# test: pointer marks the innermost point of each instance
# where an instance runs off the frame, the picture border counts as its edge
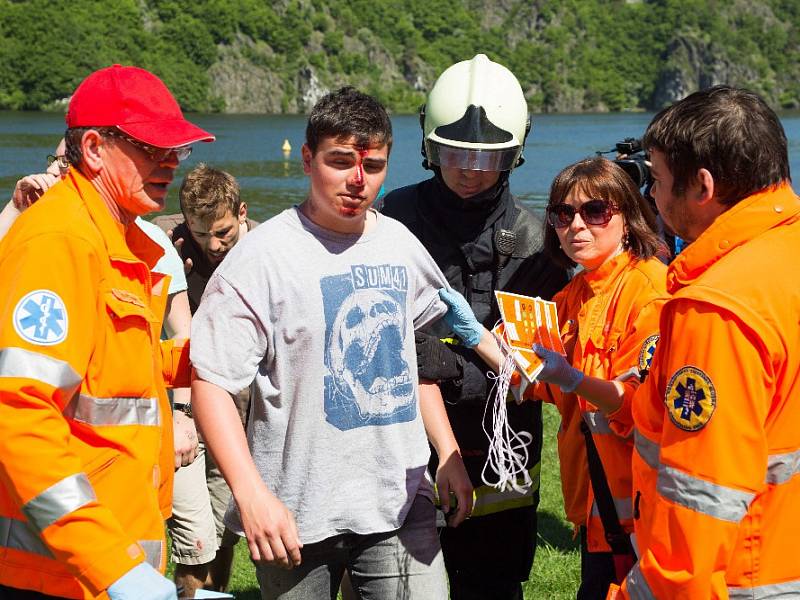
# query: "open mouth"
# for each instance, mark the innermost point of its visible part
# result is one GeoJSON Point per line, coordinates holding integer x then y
{"type": "Point", "coordinates": [382, 370]}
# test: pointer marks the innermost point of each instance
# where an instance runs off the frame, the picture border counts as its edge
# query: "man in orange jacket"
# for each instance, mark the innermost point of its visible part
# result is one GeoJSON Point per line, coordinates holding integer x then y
{"type": "Point", "coordinates": [85, 434]}
{"type": "Point", "coordinates": [717, 445]}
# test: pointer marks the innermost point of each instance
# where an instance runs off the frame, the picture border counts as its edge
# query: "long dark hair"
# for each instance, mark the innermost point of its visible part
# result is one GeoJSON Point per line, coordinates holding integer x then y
{"type": "Point", "coordinates": [600, 178]}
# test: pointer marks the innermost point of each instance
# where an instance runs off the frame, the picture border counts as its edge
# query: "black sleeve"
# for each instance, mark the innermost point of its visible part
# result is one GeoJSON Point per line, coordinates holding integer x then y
{"type": "Point", "coordinates": [473, 386]}
{"type": "Point", "coordinates": [538, 275]}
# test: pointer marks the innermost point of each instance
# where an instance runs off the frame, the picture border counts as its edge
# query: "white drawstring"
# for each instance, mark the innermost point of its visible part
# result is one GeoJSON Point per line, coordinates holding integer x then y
{"type": "Point", "coordinates": [508, 450]}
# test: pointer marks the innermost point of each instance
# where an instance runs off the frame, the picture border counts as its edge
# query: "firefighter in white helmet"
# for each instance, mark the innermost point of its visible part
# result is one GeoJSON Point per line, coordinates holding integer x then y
{"type": "Point", "coordinates": [474, 127]}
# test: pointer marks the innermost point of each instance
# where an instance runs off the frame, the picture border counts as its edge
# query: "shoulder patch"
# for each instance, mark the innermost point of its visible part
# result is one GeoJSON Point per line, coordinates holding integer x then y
{"type": "Point", "coordinates": [690, 398]}
{"type": "Point", "coordinates": [41, 318]}
{"type": "Point", "coordinates": [647, 351]}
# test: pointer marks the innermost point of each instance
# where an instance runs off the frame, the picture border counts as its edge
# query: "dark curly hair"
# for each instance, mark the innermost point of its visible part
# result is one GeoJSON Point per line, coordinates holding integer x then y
{"type": "Point", "coordinates": [348, 113]}
{"type": "Point", "coordinates": [730, 132]}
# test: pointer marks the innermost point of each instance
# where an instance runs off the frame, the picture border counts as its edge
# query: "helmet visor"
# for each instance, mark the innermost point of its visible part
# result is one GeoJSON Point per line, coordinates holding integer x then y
{"type": "Point", "coordinates": [472, 159]}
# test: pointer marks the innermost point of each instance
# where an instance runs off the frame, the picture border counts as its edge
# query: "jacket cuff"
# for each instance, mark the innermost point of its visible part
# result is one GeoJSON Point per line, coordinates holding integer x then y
{"type": "Point", "coordinates": [108, 569]}
{"type": "Point", "coordinates": [176, 368]}
{"type": "Point", "coordinates": [621, 419]}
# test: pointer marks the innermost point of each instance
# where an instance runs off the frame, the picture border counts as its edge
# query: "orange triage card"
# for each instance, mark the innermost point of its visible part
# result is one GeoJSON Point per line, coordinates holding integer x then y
{"type": "Point", "coordinates": [527, 321]}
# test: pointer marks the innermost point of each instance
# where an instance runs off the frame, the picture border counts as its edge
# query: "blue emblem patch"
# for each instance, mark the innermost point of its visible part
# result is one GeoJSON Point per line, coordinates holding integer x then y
{"type": "Point", "coordinates": [41, 318]}
{"type": "Point", "coordinates": [690, 399]}
{"type": "Point", "coordinates": [647, 351]}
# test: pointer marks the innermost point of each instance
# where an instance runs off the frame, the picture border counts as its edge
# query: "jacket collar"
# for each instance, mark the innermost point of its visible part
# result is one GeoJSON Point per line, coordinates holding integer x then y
{"type": "Point", "coordinates": [127, 245]}
{"type": "Point", "coordinates": [738, 225]}
{"type": "Point", "coordinates": [605, 276]}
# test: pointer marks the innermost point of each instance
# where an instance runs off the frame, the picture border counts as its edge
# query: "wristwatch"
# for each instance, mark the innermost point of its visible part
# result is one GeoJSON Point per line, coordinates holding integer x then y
{"type": "Point", "coordinates": [184, 408]}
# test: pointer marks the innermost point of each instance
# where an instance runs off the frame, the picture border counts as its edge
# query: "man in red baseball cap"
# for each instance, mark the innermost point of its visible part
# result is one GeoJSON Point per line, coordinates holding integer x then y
{"type": "Point", "coordinates": [85, 428]}
{"type": "Point", "coordinates": [134, 112]}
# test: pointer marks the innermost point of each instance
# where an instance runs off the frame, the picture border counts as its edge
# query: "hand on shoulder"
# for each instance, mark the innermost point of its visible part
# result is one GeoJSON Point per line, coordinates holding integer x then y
{"type": "Point", "coordinates": [30, 188]}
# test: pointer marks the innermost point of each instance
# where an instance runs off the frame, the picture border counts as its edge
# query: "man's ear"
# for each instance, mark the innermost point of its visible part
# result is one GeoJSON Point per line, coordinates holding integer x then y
{"type": "Point", "coordinates": [307, 156]}
{"type": "Point", "coordinates": [705, 187]}
{"type": "Point", "coordinates": [242, 212]}
{"type": "Point", "coordinates": [91, 142]}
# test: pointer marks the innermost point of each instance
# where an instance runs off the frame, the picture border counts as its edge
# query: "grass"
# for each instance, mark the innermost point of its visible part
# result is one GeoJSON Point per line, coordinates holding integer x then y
{"type": "Point", "coordinates": [556, 570]}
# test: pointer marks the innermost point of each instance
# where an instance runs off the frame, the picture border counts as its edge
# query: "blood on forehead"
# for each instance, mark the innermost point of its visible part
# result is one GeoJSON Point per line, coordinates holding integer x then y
{"type": "Point", "coordinates": [360, 166]}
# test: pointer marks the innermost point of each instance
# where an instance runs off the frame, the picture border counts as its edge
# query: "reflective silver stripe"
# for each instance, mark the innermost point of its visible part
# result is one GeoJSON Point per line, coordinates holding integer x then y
{"type": "Point", "coordinates": [152, 550]}
{"type": "Point", "coordinates": [638, 589]}
{"type": "Point", "coordinates": [597, 422]}
{"type": "Point", "coordinates": [114, 411]}
{"type": "Point", "coordinates": [59, 500]}
{"type": "Point", "coordinates": [718, 501]}
{"type": "Point", "coordinates": [697, 494]}
{"type": "Point", "coordinates": [777, 591]}
{"type": "Point", "coordinates": [18, 362]}
{"type": "Point", "coordinates": [623, 506]}
{"type": "Point", "coordinates": [649, 451]}
{"type": "Point", "coordinates": [18, 535]}
{"type": "Point", "coordinates": [782, 467]}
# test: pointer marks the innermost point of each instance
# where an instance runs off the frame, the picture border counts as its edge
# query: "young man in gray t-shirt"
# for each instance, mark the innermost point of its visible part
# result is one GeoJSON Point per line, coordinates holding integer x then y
{"type": "Point", "coordinates": [318, 307]}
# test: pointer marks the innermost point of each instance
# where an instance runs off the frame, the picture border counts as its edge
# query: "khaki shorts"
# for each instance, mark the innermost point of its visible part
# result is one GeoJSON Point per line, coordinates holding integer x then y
{"type": "Point", "coordinates": [200, 498]}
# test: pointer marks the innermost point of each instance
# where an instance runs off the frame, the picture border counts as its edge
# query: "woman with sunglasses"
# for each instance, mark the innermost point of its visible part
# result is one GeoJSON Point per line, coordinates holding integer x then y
{"type": "Point", "coordinates": [608, 313]}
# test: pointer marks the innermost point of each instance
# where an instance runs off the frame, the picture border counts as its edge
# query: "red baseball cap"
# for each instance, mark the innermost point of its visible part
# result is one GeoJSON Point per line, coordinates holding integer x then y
{"type": "Point", "coordinates": [135, 101]}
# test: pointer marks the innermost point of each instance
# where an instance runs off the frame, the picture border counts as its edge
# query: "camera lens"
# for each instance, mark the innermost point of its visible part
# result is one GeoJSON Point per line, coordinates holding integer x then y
{"type": "Point", "coordinates": [637, 169]}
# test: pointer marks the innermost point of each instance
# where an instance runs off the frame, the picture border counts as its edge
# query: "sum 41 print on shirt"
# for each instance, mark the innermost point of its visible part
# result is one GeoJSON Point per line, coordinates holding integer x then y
{"type": "Point", "coordinates": [367, 379]}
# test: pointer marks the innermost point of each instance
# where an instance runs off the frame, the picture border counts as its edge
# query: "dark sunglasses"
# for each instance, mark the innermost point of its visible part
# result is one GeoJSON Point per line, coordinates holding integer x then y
{"type": "Point", "coordinates": [156, 154]}
{"type": "Point", "coordinates": [592, 212]}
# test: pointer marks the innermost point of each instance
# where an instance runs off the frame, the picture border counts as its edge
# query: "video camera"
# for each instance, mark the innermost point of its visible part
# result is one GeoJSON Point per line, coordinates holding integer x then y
{"type": "Point", "coordinates": [633, 161]}
{"type": "Point", "coordinates": [631, 157]}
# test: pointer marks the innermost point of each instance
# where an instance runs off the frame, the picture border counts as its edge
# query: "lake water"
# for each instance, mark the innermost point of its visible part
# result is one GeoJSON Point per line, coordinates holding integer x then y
{"type": "Point", "coordinates": [249, 147]}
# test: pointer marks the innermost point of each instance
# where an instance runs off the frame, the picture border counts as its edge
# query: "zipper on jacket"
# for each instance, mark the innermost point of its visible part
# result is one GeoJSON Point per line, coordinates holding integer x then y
{"type": "Point", "coordinates": [468, 290]}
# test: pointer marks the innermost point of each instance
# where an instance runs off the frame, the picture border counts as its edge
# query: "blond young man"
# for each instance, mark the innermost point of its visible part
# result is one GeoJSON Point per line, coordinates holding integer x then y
{"type": "Point", "coordinates": [212, 221]}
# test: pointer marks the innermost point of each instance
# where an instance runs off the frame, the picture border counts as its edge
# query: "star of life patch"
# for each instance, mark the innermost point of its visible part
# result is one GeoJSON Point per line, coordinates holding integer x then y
{"type": "Point", "coordinates": [40, 317]}
{"type": "Point", "coordinates": [690, 398]}
{"type": "Point", "coordinates": [647, 351]}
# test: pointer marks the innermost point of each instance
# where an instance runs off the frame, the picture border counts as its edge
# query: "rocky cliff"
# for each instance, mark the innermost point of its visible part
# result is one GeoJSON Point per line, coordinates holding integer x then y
{"type": "Point", "coordinates": [248, 56]}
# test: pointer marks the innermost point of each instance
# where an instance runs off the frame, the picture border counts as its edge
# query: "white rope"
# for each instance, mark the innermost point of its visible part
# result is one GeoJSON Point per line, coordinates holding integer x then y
{"type": "Point", "coordinates": [508, 450]}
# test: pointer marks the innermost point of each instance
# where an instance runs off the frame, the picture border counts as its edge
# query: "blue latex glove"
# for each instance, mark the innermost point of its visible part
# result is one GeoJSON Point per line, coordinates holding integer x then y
{"type": "Point", "coordinates": [557, 370]}
{"type": "Point", "coordinates": [142, 581]}
{"type": "Point", "coordinates": [460, 318]}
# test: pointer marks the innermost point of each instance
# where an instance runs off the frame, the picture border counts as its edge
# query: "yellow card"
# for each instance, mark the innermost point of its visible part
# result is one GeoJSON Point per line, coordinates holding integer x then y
{"type": "Point", "coordinates": [527, 321]}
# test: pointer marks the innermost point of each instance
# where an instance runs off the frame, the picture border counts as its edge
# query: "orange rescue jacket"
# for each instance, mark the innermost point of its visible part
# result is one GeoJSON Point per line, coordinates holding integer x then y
{"type": "Point", "coordinates": [717, 423]}
{"type": "Point", "coordinates": [609, 324]}
{"type": "Point", "coordinates": [85, 425]}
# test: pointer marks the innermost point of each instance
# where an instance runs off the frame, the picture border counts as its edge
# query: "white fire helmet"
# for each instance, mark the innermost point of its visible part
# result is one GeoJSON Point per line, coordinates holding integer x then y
{"type": "Point", "coordinates": [476, 117]}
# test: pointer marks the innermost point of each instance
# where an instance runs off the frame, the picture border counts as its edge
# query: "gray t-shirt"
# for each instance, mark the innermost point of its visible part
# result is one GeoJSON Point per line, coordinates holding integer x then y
{"type": "Point", "coordinates": [323, 325]}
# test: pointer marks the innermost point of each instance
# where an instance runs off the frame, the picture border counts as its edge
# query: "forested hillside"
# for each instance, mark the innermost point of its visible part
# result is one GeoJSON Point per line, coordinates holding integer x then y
{"type": "Point", "coordinates": [280, 56]}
